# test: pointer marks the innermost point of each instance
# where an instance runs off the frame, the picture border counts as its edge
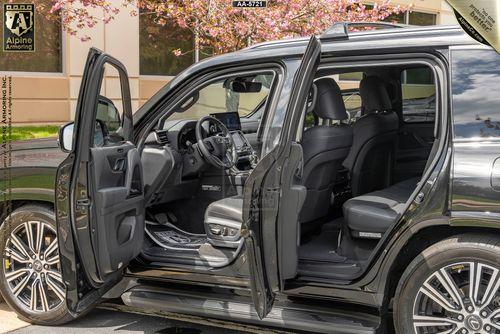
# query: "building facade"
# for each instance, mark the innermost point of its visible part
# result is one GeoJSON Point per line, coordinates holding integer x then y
{"type": "Point", "coordinates": [46, 82]}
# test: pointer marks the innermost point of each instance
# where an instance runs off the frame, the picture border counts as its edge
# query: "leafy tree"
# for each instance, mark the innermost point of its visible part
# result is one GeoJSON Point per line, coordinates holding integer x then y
{"type": "Point", "coordinates": [222, 28]}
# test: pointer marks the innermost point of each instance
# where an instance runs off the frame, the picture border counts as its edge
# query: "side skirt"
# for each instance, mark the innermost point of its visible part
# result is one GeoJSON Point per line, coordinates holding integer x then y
{"type": "Point", "coordinates": [285, 314]}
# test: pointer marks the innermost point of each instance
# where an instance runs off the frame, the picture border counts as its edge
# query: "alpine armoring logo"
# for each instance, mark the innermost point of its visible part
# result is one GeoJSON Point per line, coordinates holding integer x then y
{"type": "Point", "coordinates": [18, 27]}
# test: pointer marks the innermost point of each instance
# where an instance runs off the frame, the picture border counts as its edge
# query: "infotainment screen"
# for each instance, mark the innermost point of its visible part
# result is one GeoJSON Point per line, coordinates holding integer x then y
{"type": "Point", "coordinates": [230, 119]}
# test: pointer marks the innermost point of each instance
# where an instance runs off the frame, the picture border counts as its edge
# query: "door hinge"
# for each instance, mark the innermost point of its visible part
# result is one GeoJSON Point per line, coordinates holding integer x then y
{"type": "Point", "coordinates": [83, 202]}
{"type": "Point", "coordinates": [419, 198]}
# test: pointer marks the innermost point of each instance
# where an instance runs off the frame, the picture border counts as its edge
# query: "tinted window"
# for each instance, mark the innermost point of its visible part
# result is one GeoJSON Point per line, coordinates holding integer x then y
{"type": "Point", "coordinates": [217, 97]}
{"type": "Point", "coordinates": [110, 106]}
{"type": "Point", "coordinates": [419, 95]}
{"type": "Point", "coordinates": [352, 101]}
{"type": "Point", "coordinates": [476, 98]}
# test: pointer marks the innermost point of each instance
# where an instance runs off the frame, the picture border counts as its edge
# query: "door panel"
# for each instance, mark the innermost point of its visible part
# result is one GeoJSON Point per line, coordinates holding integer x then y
{"type": "Point", "coordinates": [99, 192]}
{"type": "Point", "coordinates": [293, 197]}
{"type": "Point", "coordinates": [414, 146]}
{"type": "Point", "coordinates": [119, 208]}
{"type": "Point", "coordinates": [271, 195]}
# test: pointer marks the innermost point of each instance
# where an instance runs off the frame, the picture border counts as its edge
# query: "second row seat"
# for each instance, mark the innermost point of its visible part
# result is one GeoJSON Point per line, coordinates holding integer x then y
{"type": "Point", "coordinates": [370, 215]}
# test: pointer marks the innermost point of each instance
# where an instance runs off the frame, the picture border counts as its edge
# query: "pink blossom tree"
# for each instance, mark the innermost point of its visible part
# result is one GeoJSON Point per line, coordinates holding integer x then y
{"type": "Point", "coordinates": [222, 28]}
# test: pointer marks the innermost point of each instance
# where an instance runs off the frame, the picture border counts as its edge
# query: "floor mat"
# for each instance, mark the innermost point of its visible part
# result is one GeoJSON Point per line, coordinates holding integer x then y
{"type": "Point", "coordinates": [171, 237]}
{"type": "Point", "coordinates": [322, 248]}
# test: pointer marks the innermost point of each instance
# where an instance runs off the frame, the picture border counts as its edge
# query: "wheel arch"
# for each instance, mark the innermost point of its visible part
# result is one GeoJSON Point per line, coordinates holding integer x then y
{"type": "Point", "coordinates": [418, 242]}
{"type": "Point", "coordinates": [17, 203]}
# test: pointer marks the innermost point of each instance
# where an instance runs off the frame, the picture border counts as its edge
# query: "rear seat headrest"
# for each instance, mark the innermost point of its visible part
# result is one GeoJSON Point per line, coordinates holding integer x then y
{"type": "Point", "coordinates": [329, 101]}
{"type": "Point", "coordinates": [374, 95]}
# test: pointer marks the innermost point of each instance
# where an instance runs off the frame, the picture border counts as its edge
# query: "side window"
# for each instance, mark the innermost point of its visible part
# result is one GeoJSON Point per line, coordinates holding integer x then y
{"type": "Point", "coordinates": [349, 83]}
{"type": "Point", "coordinates": [419, 95]}
{"type": "Point", "coordinates": [109, 116]}
{"type": "Point", "coordinates": [242, 94]}
{"type": "Point", "coordinates": [476, 101]}
{"type": "Point", "coordinates": [352, 101]}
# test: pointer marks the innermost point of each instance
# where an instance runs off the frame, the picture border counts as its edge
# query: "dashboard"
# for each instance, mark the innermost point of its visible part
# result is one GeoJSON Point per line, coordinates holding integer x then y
{"type": "Point", "coordinates": [172, 163]}
{"type": "Point", "coordinates": [186, 137]}
{"type": "Point", "coordinates": [180, 135]}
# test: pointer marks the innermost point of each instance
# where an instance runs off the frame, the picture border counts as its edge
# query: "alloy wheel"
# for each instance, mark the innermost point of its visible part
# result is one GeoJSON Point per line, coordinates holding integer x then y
{"type": "Point", "coordinates": [462, 298]}
{"type": "Point", "coordinates": [31, 266]}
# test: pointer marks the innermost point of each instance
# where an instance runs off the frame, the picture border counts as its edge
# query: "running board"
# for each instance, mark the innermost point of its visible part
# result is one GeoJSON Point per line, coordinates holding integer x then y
{"type": "Point", "coordinates": [235, 308]}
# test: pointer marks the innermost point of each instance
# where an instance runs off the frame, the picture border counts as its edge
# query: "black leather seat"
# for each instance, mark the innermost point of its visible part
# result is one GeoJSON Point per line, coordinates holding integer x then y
{"type": "Point", "coordinates": [324, 148]}
{"type": "Point", "coordinates": [370, 215]}
{"type": "Point", "coordinates": [371, 159]}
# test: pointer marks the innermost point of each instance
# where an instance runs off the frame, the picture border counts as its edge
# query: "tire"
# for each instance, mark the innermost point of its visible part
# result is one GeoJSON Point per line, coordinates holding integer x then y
{"type": "Point", "coordinates": [434, 294]}
{"type": "Point", "coordinates": [39, 277]}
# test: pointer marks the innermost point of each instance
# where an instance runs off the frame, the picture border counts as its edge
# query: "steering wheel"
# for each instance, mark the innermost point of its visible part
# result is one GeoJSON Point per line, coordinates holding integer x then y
{"type": "Point", "coordinates": [219, 150]}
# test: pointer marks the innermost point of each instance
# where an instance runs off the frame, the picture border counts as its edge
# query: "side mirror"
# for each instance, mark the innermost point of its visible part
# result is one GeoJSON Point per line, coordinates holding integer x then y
{"type": "Point", "coordinates": [66, 137]}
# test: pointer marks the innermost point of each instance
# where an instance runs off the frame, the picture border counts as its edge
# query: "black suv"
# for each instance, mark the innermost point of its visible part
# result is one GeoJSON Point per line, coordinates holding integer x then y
{"type": "Point", "coordinates": [324, 185]}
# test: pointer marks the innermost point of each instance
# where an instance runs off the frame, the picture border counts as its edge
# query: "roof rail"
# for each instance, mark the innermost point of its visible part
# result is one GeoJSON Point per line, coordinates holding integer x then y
{"type": "Point", "coordinates": [340, 30]}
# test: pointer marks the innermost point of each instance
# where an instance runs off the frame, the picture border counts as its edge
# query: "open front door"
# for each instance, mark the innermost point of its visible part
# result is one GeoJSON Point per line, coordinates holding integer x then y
{"type": "Point", "coordinates": [273, 193]}
{"type": "Point", "coordinates": [99, 192]}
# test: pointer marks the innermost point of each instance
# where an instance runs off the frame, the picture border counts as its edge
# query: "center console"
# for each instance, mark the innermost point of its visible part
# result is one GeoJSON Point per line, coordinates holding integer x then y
{"type": "Point", "coordinates": [243, 147]}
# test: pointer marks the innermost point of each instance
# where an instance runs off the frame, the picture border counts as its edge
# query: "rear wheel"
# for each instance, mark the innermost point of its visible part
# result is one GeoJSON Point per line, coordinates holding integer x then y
{"type": "Point", "coordinates": [30, 271]}
{"type": "Point", "coordinates": [451, 287]}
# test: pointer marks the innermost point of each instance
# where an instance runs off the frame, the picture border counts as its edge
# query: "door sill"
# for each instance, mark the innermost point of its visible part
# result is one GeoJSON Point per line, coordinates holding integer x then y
{"type": "Point", "coordinates": [205, 256]}
{"type": "Point", "coordinates": [285, 314]}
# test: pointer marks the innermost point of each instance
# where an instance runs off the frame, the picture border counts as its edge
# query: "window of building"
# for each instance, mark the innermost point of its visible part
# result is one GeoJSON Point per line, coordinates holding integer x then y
{"type": "Point", "coordinates": [476, 102]}
{"type": "Point", "coordinates": [157, 43]}
{"type": "Point", "coordinates": [419, 95]}
{"type": "Point", "coordinates": [47, 56]}
{"type": "Point", "coordinates": [413, 18]}
{"type": "Point", "coordinates": [422, 19]}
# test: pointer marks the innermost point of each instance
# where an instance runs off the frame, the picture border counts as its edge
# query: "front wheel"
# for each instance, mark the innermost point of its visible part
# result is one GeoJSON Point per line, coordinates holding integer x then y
{"type": "Point", "coordinates": [451, 287]}
{"type": "Point", "coordinates": [30, 271]}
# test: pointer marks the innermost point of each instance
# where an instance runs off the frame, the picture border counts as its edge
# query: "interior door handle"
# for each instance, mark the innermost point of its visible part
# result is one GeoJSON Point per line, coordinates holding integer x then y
{"type": "Point", "coordinates": [119, 165]}
{"type": "Point", "coordinates": [299, 171]}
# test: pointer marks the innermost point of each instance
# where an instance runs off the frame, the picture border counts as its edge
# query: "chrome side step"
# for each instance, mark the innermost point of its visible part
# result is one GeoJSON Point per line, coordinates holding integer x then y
{"type": "Point", "coordinates": [233, 308]}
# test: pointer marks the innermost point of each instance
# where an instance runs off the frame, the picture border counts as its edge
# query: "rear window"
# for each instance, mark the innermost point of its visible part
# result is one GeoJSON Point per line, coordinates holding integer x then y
{"type": "Point", "coordinates": [476, 95]}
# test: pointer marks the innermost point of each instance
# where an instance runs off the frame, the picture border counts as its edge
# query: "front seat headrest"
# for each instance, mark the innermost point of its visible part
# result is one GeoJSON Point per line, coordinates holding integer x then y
{"type": "Point", "coordinates": [329, 101]}
{"type": "Point", "coordinates": [374, 95]}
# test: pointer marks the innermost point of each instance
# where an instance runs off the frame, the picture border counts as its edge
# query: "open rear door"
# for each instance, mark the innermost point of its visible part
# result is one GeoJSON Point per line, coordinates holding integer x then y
{"type": "Point", "coordinates": [99, 192]}
{"type": "Point", "coordinates": [273, 193]}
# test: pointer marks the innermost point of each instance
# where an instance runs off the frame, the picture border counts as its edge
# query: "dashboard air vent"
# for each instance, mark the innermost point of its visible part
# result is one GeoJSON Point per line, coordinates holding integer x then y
{"type": "Point", "coordinates": [161, 137]}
